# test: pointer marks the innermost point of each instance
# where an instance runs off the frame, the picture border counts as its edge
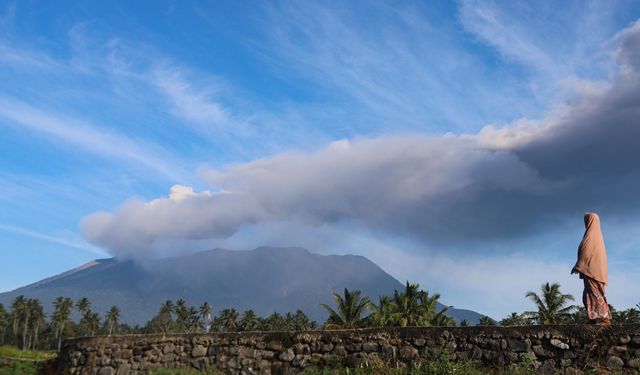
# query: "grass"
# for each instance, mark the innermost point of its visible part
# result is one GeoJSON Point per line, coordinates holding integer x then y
{"type": "Point", "coordinates": [30, 355]}
{"type": "Point", "coordinates": [166, 371]}
{"type": "Point", "coordinates": [19, 368]}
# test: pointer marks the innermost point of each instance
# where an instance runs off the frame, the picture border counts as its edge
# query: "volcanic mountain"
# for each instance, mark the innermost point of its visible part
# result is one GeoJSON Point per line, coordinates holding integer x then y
{"type": "Point", "coordinates": [266, 280]}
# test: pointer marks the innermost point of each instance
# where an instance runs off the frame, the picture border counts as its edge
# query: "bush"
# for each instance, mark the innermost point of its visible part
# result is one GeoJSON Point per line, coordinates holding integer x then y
{"type": "Point", "coordinates": [19, 368]}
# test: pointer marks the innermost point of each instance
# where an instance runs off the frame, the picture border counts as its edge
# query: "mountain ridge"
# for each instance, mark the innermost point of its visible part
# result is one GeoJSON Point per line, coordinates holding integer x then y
{"type": "Point", "coordinates": [265, 279]}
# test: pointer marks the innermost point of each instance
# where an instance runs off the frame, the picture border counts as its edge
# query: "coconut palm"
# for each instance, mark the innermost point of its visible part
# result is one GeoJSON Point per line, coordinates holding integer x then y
{"type": "Point", "coordinates": [61, 314]}
{"type": "Point", "coordinates": [205, 315]}
{"type": "Point", "coordinates": [350, 310]}
{"type": "Point", "coordinates": [92, 322]}
{"type": "Point", "coordinates": [441, 319]}
{"type": "Point", "coordinates": [164, 319]}
{"type": "Point", "coordinates": [229, 320]}
{"type": "Point", "coordinates": [248, 321]}
{"type": "Point", "coordinates": [514, 319]}
{"type": "Point", "coordinates": [486, 321]}
{"type": "Point", "coordinates": [18, 307]}
{"type": "Point", "coordinates": [382, 312]}
{"type": "Point", "coordinates": [301, 321]}
{"type": "Point", "coordinates": [274, 322]}
{"type": "Point", "coordinates": [415, 307]}
{"type": "Point", "coordinates": [551, 304]}
{"type": "Point", "coordinates": [4, 323]}
{"type": "Point", "coordinates": [83, 305]}
{"type": "Point", "coordinates": [35, 322]}
{"type": "Point", "coordinates": [112, 318]}
{"type": "Point", "coordinates": [192, 322]}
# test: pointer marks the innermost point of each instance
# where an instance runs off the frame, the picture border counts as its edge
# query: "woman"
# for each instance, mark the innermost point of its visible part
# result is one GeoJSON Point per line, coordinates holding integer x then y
{"type": "Point", "coordinates": [592, 267]}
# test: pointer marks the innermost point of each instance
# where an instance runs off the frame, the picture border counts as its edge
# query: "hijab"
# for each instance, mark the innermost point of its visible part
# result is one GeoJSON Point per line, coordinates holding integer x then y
{"type": "Point", "coordinates": [592, 254]}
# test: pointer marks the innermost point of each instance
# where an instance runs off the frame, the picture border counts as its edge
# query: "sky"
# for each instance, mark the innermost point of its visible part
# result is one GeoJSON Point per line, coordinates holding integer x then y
{"type": "Point", "coordinates": [456, 144]}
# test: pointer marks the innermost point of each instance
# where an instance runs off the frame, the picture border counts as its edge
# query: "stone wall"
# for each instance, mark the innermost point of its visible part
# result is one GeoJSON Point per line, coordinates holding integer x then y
{"type": "Point", "coordinates": [567, 349]}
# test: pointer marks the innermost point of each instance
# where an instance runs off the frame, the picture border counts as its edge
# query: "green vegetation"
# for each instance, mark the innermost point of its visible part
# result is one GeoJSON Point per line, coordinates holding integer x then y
{"type": "Point", "coordinates": [34, 355]}
{"type": "Point", "coordinates": [442, 365]}
{"type": "Point", "coordinates": [551, 304]}
{"type": "Point", "coordinates": [166, 371]}
{"type": "Point", "coordinates": [410, 307]}
{"type": "Point", "coordinates": [19, 368]}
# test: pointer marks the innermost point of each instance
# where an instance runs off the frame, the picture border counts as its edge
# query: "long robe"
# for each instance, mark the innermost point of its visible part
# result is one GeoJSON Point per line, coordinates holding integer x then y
{"type": "Point", "coordinates": [592, 266]}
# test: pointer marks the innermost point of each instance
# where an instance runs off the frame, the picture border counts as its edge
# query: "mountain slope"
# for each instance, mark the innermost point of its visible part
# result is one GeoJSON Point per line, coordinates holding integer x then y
{"type": "Point", "coordinates": [266, 280]}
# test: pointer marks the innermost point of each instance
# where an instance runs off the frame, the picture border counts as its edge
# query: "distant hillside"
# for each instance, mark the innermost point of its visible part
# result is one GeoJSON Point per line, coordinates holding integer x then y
{"type": "Point", "coordinates": [266, 280]}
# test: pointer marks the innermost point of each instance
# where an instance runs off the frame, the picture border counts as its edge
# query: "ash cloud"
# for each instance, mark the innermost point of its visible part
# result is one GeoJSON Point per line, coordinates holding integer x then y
{"type": "Point", "coordinates": [500, 183]}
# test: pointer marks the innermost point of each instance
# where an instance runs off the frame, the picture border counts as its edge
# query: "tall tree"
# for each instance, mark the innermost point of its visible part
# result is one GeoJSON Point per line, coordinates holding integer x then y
{"type": "Point", "coordinates": [62, 308]}
{"type": "Point", "coordinates": [35, 322]}
{"type": "Point", "coordinates": [248, 321]}
{"type": "Point", "coordinates": [514, 319]}
{"type": "Point", "coordinates": [486, 321]}
{"type": "Point", "coordinates": [551, 304]}
{"type": "Point", "coordinates": [164, 320]}
{"type": "Point", "coordinates": [301, 321]}
{"type": "Point", "coordinates": [205, 315]}
{"type": "Point", "coordinates": [91, 322]}
{"type": "Point", "coordinates": [415, 307]}
{"type": "Point", "coordinates": [229, 320]}
{"type": "Point", "coordinates": [4, 323]}
{"type": "Point", "coordinates": [351, 310]}
{"type": "Point", "coordinates": [382, 312]}
{"type": "Point", "coordinates": [83, 305]}
{"type": "Point", "coordinates": [112, 317]}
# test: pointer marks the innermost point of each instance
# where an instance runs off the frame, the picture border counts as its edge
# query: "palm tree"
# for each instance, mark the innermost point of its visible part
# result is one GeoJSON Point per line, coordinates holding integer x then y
{"type": "Point", "coordinates": [205, 315]}
{"type": "Point", "coordinates": [274, 322]}
{"type": "Point", "coordinates": [18, 306]}
{"type": "Point", "coordinates": [552, 304]}
{"type": "Point", "coordinates": [414, 307]}
{"type": "Point", "coordinates": [4, 323]}
{"type": "Point", "coordinates": [182, 314]}
{"type": "Point", "coordinates": [61, 313]}
{"type": "Point", "coordinates": [486, 321]}
{"type": "Point", "coordinates": [514, 319]}
{"type": "Point", "coordinates": [35, 322]}
{"type": "Point", "coordinates": [92, 322]}
{"type": "Point", "coordinates": [164, 319]}
{"type": "Point", "coordinates": [229, 320]}
{"type": "Point", "coordinates": [351, 310]}
{"type": "Point", "coordinates": [441, 319]}
{"type": "Point", "coordinates": [464, 323]}
{"type": "Point", "coordinates": [248, 321]}
{"type": "Point", "coordinates": [112, 318]}
{"type": "Point", "coordinates": [382, 312]}
{"type": "Point", "coordinates": [20, 318]}
{"type": "Point", "coordinates": [192, 320]}
{"type": "Point", "coordinates": [301, 321]}
{"type": "Point", "coordinates": [83, 305]}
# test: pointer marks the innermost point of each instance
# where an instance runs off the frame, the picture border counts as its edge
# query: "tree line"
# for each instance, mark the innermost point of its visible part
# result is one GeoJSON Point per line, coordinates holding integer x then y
{"type": "Point", "coordinates": [25, 325]}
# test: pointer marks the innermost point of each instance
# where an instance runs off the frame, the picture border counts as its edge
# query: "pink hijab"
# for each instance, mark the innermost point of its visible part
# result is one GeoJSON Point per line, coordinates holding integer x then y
{"type": "Point", "coordinates": [592, 254]}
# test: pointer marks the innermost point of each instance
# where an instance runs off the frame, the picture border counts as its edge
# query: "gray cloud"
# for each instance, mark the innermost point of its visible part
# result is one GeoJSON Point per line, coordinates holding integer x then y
{"type": "Point", "coordinates": [499, 183]}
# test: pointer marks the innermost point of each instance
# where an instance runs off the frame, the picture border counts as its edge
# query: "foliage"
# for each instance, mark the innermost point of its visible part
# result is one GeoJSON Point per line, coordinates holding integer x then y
{"type": "Point", "coordinates": [551, 304]}
{"type": "Point", "coordinates": [350, 310]}
{"type": "Point", "coordinates": [486, 321]}
{"type": "Point", "coordinates": [514, 319]}
{"type": "Point", "coordinates": [35, 355]}
{"type": "Point", "coordinates": [19, 368]}
{"type": "Point", "coordinates": [166, 371]}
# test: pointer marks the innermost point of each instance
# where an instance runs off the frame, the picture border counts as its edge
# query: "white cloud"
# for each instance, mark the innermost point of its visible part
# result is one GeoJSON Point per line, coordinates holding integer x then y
{"type": "Point", "coordinates": [194, 104]}
{"type": "Point", "coordinates": [91, 138]}
{"type": "Point", "coordinates": [501, 183]}
{"type": "Point", "coordinates": [77, 244]}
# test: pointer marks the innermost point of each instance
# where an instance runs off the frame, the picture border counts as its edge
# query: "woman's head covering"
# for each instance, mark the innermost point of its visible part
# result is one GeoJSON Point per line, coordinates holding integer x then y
{"type": "Point", "coordinates": [592, 254]}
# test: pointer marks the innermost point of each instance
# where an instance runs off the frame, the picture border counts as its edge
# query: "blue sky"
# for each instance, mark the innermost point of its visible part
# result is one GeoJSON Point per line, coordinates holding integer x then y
{"type": "Point", "coordinates": [435, 138]}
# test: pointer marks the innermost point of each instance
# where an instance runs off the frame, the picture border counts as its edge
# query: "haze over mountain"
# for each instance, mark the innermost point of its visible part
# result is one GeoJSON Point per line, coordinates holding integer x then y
{"type": "Point", "coordinates": [266, 280]}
